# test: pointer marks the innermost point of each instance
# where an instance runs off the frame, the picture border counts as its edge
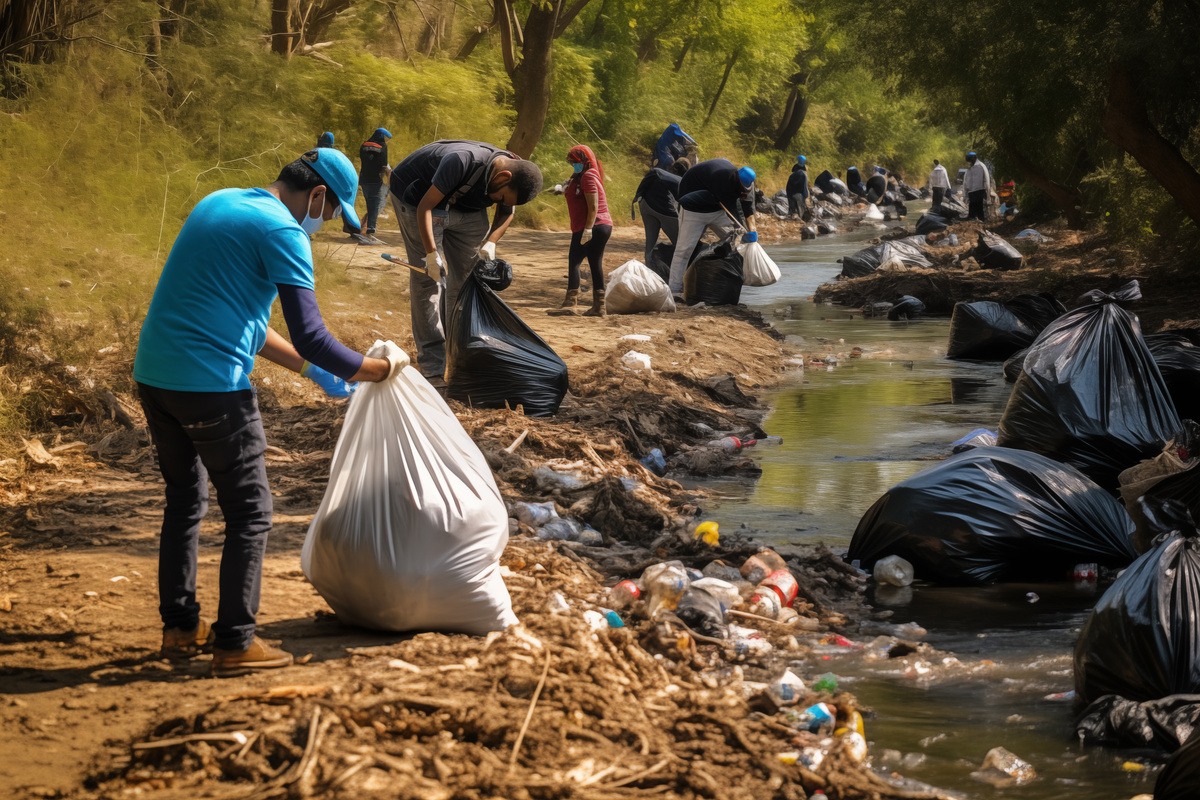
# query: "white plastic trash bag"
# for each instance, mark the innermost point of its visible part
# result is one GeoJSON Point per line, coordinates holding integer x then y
{"type": "Point", "coordinates": [633, 288]}
{"type": "Point", "coordinates": [410, 531]}
{"type": "Point", "coordinates": [758, 269]}
{"type": "Point", "coordinates": [873, 213]}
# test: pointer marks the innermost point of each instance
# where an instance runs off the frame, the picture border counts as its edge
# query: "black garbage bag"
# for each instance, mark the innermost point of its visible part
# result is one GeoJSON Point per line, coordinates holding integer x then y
{"type": "Point", "coordinates": [987, 331]}
{"type": "Point", "coordinates": [1013, 366]}
{"type": "Point", "coordinates": [1090, 394]}
{"type": "Point", "coordinates": [1178, 359]}
{"type": "Point", "coordinates": [833, 198]}
{"type": "Point", "coordinates": [493, 358]}
{"type": "Point", "coordinates": [714, 278]}
{"type": "Point", "coordinates": [909, 192]}
{"type": "Point", "coordinates": [992, 252]}
{"type": "Point", "coordinates": [837, 186]}
{"type": "Point", "coordinates": [1036, 310]}
{"type": "Point", "coordinates": [931, 223]}
{"type": "Point", "coordinates": [826, 227]}
{"type": "Point", "coordinates": [1180, 776]}
{"type": "Point", "coordinates": [869, 259]}
{"type": "Point", "coordinates": [1116, 721]}
{"type": "Point", "coordinates": [660, 260]}
{"type": "Point", "coordinates": [993, 514]}
{"type": "Point", "coordinates": [950, 209]}
{"type": "Point", "coordinates": [907, 307]}
{"type": "Point", "coordinates": [824, 182]}
{"type": "Point", "coordinates": [1141, 641]}
{"type": "Point", "coordinates": [808, 232]}
{"type": "Point", "coordinates": [496, 274]}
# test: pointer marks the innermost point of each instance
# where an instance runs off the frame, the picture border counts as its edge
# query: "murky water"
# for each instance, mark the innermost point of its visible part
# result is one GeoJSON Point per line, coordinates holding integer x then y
{"type": "Point", "coordinates": [851, 432]}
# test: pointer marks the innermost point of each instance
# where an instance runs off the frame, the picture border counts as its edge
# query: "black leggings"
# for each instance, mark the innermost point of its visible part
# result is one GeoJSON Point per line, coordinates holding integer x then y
{"type": "Point", "coordinates": [594, 251]}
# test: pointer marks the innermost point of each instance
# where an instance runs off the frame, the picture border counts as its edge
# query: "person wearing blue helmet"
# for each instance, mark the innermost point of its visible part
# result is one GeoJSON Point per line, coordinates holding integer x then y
{"type": "Point", "coordinates": [374, 175]}
{"type": "Point", "coordinates": [710, 194]}
{"type": "Point", "coordinates": [797, 188]}
{"type": "Point", "coordinates": [237, 251]}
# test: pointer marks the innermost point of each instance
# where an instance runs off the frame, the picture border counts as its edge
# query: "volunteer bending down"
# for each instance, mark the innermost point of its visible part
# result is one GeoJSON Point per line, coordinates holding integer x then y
{"type": "Point", "coordinates": [709, 194]}
{"type": "Point", "coordinates": [237, 250]}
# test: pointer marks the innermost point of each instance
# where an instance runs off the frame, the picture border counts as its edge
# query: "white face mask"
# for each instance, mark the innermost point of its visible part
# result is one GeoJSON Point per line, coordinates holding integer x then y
{"type": "Point", "coordinates": [311, 224]}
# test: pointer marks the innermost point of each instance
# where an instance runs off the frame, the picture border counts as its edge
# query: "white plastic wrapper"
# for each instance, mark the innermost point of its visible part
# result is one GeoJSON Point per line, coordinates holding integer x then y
{"type": "Point", "coordinates": [411, 528]}
{"type": "Point", "coordinates": [758, 269]}
{"type": "Point", "coordinates": [633, 288]}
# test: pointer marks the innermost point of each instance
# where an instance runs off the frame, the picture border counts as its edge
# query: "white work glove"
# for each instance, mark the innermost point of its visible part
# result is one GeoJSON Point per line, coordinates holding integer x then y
{"type": "Point", "coordinates": [487, 251]}
{"type": "Point", "coordinates": [394, 355]}
{"type": "Point", "coordinates": [586, 236]}
{"type": "Point", "coordinates": [434, 265]}
{"type": "Point", "coordinates": [558, 188]}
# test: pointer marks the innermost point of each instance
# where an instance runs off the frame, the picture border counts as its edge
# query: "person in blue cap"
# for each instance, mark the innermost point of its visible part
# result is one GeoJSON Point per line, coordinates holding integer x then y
{"type": "Point", "coordinates": [710, 194]}
{"type": "Point", "coordinates": [977, 186]}
{"type": "Point", "coordinates": [325, 139]}
{"type": "Point", "coordinates": [374, 175]}
{"type": "Point", "coordinates": [237, 251]}
{"type": "Point", "coordinates": [672, 146]}
{"type": "Point", "coordinates": [797, 188]}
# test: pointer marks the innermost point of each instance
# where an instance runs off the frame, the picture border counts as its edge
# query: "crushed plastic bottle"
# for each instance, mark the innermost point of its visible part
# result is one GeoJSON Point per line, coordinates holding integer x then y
{"type": "Point", "coordinates": [663, 585]}
{"type": "Point", "coordinates": [893, 571]}
{"type": "Point", "coordinates": [826, 683]}
{"type": "Point", "coordinates": [731, 443]}
{"type": "Point", "coordinates": [701, 611]}
{"type": "Point", "coordinates": [624, 595]}
{"type": "Point", "coordinates": [787, 688]}
{"type": "Point", "coordinates": [744, 646]}
{"type": "Point", "coordinates": [655, 462]}
{"type": "Point", "coordinates": [707, 533]}
{"type": "Point", "coordinates": [560, 529]}
{"type": "Point", "coordinates": [813, 718]}
{"type": "Point", "coordinates": [724, 591]}
{"type": "Point", "coordinates": [535, 515]}
{"type": "Point", "coordinates": [762, 564]}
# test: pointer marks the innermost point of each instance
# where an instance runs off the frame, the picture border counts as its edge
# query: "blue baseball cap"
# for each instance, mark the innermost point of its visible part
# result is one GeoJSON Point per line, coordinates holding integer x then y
{"type": "Point", "coordinates": [801, 159]}
{"type": "Point", "coordinates": [746, 175]}
{"type": "Point", "coordinates": [972, 153]}
{"type": "Point", "coordinates": [337, 171]}
{"type": "Point", "coordinates": [328, 135]}
{"type": "Point", "coordinates": [384, 131]}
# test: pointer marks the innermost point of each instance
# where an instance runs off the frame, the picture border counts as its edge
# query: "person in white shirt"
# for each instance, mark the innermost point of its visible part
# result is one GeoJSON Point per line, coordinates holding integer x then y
{"type": "Point", "coordinates": [939, 182]}
{"type": "Point", "coordinates": [975, 184]}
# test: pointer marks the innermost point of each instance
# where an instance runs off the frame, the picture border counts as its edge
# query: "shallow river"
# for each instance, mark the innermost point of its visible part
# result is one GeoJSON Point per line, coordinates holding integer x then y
{"type": "Point", "coordinates": [851, 432]}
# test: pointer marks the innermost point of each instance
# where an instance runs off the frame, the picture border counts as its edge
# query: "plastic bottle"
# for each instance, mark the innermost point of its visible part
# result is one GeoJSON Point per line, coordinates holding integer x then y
{"type": "Point", "coordinates": [724, 591]}
{"type": "Point", "coordinates": [707, 532]}
{"type": "Point", "coordinates": [893, 571]}
{"type": "Point", "coordinates": [813, 718]}
{"type": "Point", "coordinates": [624, 595]}
{"type": "Point", "coordinates": [535, 515]}
{"type": "Point", "coordinates": [560, 529]}
{"type": "Point", "coordinates": [742, 647]}
{"type": "Point", "coordinates": [787, 688]}
{"type": "Point", "coordinates": [765, 604]}
{"type": "Point", "coordinates": [783, 584]}
{"type": "Point", "coordinates": [762, 564]}
{"type": "Point", "coordinates": [701, 611]}
{"type": "Point", "coordinates": [826, 683]}
{"type": "Point", "coordinates": [727, 443]}
{"type": "Point", "coordinates": [655, 462]}
{"type": "Point", "coordinates": [663, 585]}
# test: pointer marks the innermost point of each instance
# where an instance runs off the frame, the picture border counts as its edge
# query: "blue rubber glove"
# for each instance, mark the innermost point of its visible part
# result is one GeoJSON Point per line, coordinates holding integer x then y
{"type": "Point", "coordinates": [750, 236]}
{"type": "Point", "coordinates": [332, 384]}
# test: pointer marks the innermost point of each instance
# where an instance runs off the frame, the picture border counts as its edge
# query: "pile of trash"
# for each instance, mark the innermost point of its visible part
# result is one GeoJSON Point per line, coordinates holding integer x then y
{"type": "Point", "coordinates": [890, 255]}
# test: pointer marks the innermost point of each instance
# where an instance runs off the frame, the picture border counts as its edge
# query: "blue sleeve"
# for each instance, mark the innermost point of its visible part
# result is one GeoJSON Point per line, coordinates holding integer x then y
{"type": "Point", "coordinates": [311, 339]}
{"type": "Point", "coordinates": [286, 255]}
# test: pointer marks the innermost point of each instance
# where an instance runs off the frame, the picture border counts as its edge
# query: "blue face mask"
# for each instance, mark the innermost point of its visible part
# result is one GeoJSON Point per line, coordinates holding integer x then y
{"type": "Point", "coordinates": [577, 167]}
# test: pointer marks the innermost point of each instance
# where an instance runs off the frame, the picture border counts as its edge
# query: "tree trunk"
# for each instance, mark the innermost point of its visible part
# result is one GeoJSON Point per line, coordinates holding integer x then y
{"type": "Point", "coordinates": [683, 54]}
{"type": "Point", "coordinates": [1129, 127]}
{"type": "Point", "coordinates": [480, 31]}
{"type": "Point", "coordinates": [794, 112]}
{"type": "Point", "coordinates": [598, 25]}
{"type": "Point", "coordinates": [1066, 199]}
{"type": "Point", "coordinates": [648, 47]}
{"type": "Point", "coordinates": [531, 80]}
{"type": "Point", "coordinates": [733, 57]}
{"type": "Point", "coordinates": [282, 36]}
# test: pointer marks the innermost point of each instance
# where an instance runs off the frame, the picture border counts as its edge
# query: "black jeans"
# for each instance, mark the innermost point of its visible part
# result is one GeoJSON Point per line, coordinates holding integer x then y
{"type": "Point", "coordinates": [376, 196]}
{"type": "Point", "coordinates": [975, 204]}
{"type": "Point", "coordinates": [593, 251]}
{"type": "Point", "coordinates": [218, 436]}
{"type": "Point", "coordinates": [938, 193]}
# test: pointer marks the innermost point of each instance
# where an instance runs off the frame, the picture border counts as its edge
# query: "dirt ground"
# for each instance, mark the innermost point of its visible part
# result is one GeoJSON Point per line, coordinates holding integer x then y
{"type": "Point", "coordinates": [81, 678]}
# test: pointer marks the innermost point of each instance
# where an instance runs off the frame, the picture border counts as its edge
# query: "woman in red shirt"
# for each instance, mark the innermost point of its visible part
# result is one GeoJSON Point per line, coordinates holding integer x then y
{"type": "Point", "coordinates": [591, 226]}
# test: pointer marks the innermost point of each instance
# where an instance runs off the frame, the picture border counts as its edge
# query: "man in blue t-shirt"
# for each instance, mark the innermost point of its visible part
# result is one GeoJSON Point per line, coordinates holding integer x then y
{"type": "Point", "coordinates": [441, 193]}
{"type": "Point", "coordinates": [238, 249]}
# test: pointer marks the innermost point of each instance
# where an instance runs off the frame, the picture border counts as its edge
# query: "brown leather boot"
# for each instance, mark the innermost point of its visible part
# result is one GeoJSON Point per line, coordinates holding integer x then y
{"type": "Point", "coordinates": [178, 643]}
{"type": "Point", "coordinates": [258, 656]}
{"type": "Point", "coordinates": [597, 309]}
{"type": "Point", "coordinates": [567, 309]}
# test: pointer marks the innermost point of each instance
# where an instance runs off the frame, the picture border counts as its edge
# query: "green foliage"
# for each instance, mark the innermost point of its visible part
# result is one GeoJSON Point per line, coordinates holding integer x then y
{"type": "Point", "coordinates": [1130, 204]}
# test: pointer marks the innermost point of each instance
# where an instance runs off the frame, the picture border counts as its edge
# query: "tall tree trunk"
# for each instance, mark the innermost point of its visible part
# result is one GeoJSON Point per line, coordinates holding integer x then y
{"type": "Point", "coordinates": [687, 45]}
{"type": "Point", "coordinates": [282, 35]}
{"type": "Point", "coordinates": [531, 80]}
{"type": "Point", "coordinates": [598, 25]}
{"type": "Point", "coordinates": [1129, 127]}
{"type": "Point", "coordinates": [1066, 199]}
{"type": "Point", "coordinates": [733, 57]}
{"type": "Point", "coordinates": [794, 112]}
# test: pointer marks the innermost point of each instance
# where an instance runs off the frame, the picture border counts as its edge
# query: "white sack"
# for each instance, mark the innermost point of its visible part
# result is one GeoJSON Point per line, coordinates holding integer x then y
{"type": "Point", "coordinates": [873, 213]}
{"type": "Point", "coordinates": [633, 288]}
{"type": "Point", "coordinates": [410, 531]}
{"type": "Point", "coordinates": [758, 269]}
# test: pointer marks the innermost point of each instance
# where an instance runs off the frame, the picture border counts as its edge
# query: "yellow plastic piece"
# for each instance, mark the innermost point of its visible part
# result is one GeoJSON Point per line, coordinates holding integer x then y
{"type": "Point", "coordinates": [789, 758]}
{"type": "Point", "coordinates": [1133, 766]}
{"type": "Point", "coordinates": [707, 532]}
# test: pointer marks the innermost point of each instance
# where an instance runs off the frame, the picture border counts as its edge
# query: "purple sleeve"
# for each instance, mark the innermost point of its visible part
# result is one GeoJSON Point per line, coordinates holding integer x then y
{"type": "Point", "coordinates": [311, 339]}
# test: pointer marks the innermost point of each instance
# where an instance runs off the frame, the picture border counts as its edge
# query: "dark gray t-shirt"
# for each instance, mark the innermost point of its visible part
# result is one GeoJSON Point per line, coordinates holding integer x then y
{"type": "Point", "coordinates": [448, 164]}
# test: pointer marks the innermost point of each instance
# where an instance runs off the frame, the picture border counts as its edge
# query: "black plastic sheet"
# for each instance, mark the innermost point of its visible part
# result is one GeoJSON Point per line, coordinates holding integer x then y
{"type": "Point", "coordinates": [1090, 394]}
{"type": "Point", "coordinates": [992, 252]}
{"type": "Point", "coordinates": [907, 307]}
{"type": "Point", "coordinates": [824, 181]}
{"type": "Point", "coordinates": [493, 357]}
{"type": "Point", "coordinates": [993, 514]}
{"type": "Point", "coordinates": [1141, 641]}
{"type": "Point", "coordinates": [714, 278]}
{"type": "Point", "coordinates": [1180, 776]}
{"type": "Point", "coordinates": [950, 209]}
{"type": "Point", "coordinates": [1178, 359]}
{"type": "Point", "coordinates": [931, 223]}
{"type": "Point", "coordinates": [869, 259]}
{"type": "Point", "coordinates": [1164, 724]}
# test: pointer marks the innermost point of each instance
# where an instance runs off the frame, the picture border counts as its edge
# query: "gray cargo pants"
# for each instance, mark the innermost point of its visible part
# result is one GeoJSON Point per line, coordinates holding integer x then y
{"type": "Point", "coordinates": [655, 222]}
{"type": "Point", "coordinates": [458, 235]}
